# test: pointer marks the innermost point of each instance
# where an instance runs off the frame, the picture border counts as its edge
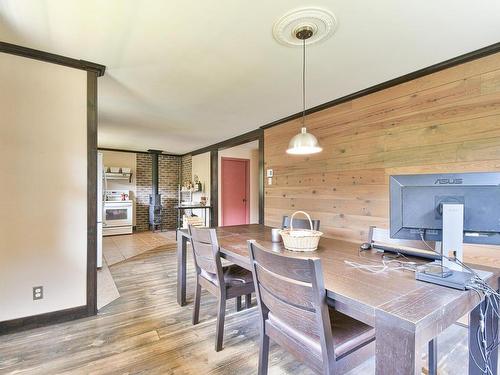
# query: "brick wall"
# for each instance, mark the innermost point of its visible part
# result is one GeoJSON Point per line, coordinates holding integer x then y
{"type": "Point", "coordinates": [186, 169]}
{"type": "Point", "coordinates": [143, 190]}
{"type": "Point", "coordinates": [172, 170]}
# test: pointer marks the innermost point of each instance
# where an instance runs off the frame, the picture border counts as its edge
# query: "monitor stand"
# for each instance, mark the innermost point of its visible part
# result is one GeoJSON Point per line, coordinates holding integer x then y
{"type": "Point", "coordinates": [445, 272]}
{"type": "Point", "coordinates": [455, 279]}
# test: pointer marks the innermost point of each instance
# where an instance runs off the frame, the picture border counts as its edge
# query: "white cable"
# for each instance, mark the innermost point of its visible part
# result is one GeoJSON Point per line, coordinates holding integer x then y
{"type": "Point", "coordinates": [366, 267]}
{"type": "Point", "coordinates": [425, 242]}
{"type": "Point", "coordinates": [491, 298]}
{"type": "Point", "coordinates": [490, 295]}
{"type": "Point", "coordinates": [380, 268]}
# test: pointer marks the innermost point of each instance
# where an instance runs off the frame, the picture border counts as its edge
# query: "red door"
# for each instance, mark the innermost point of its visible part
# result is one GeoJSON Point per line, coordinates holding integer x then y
{"type": "Point", "coordinates": [235, 191]}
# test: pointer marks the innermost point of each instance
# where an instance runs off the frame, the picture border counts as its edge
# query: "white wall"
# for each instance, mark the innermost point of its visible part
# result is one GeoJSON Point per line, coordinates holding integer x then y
{"type": "Point", "coordinates": [248, 151]}
{"type": "Point", "coordinates": [43, 173]}
{"type": "Point", "coordinates": [201, 168]}
{"type": "Point", "coordinates": [122, 159]}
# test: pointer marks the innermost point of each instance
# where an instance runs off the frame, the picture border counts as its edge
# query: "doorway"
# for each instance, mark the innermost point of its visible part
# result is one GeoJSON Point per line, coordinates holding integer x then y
{"type": "Point", "coordinates": [235, 191]}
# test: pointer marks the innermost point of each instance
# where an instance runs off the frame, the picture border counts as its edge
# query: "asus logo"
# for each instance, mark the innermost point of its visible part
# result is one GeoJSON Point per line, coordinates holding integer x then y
{"type": "Point", "coordinates": [448, 181]}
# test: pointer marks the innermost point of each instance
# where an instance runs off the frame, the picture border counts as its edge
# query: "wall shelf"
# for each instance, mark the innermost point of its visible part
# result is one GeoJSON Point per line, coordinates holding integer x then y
{"type": "Point", "coordinates": [119, 176]}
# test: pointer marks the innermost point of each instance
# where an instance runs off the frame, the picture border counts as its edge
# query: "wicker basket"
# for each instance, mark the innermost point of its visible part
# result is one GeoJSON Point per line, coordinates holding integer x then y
{"type": "Point", "coordinates": [300, 239]}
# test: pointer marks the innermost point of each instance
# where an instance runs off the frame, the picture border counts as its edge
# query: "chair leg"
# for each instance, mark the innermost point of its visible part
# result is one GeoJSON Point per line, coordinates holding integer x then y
{"type": "Point", "coordinates": [221, 313]}
{"type": "Point", "coordinates": [197, 299]}
{"type": "Point", "coordinates": [263, 354]}
{"type": "Point", "coordinates": [248, 300]}
{"type": "Point", "coordinates": [238, 303]}
{"type": "Point", "coordinates": [433, 360]}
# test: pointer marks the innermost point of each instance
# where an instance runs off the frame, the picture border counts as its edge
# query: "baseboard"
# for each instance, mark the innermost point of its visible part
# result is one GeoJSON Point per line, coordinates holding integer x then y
{"type": "Point", "coordinates": [35, 321]}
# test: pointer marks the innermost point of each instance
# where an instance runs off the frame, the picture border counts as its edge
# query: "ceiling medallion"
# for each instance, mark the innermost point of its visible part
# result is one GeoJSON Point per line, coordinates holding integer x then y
{"type": "Point", "coordinates": [322, 22]}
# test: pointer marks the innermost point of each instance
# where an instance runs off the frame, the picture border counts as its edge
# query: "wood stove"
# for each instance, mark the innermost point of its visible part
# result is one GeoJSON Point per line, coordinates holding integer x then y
{"type": "Point", "coordinates": [155, 208]}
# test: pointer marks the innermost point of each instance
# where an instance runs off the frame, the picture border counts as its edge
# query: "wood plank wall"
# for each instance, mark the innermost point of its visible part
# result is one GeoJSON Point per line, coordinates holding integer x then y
{"type": "Point", "coordinates": [448, 121]}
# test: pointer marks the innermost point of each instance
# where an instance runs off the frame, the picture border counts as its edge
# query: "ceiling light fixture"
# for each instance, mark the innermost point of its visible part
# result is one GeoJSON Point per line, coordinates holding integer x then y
{"type": "Point", "coordinates": [303, 143]}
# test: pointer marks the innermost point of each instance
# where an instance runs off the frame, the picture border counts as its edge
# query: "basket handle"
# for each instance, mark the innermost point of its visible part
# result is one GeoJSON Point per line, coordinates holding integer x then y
{"type": "Point", "coordinates": [301, 212]}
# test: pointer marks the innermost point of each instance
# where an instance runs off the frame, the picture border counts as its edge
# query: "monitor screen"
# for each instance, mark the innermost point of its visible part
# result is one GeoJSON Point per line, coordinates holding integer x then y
{"type": "Point", "coordinates": [416, 205]}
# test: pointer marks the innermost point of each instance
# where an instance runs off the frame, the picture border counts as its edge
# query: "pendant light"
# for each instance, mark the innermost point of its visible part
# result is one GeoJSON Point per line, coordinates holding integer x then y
{"type": "Point", "coordinates": [303, 143]}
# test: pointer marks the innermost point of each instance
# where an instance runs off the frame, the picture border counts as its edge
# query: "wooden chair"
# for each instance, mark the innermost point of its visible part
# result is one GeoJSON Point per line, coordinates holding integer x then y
{"type": "Point", "coordinates": [295, 314]}
{"type": "Point", "coordinates": [299, 223]}
{"type": "Point", "coordinates": [223, 282]}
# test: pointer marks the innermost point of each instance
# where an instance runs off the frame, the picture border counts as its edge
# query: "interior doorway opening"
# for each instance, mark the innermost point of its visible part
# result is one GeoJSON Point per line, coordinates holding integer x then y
{"type": "Point", "coordinates": [239, 184]}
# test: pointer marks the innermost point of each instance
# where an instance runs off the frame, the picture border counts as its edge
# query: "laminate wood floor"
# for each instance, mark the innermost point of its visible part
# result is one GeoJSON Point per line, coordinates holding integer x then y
{"type": "Point", "coordinates": [122, 247]}
{"type": "Point", "coordinates": [146, 332]}
{"type": "Point", "coordinates": [107, 291]}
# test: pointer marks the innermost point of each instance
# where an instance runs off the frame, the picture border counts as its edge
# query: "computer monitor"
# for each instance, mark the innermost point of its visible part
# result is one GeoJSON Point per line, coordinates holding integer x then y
{"type": "Point", "coordinates": [416, 205]}
{"type": "Point", "coordinates": [450, 208]}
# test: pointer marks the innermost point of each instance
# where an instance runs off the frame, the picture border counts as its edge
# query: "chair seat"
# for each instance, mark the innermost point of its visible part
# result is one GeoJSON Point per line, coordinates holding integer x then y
{"type": "Point", "coordinates": [233, 276]}
{"type": "Point", "coordinates": [348, 333]}
{"type": "Point", "coordinates": [225, 263]}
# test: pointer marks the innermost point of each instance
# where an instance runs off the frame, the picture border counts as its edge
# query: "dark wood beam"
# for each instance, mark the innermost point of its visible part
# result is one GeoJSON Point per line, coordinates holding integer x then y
{"type": "Point", "coordinates": [477, 54]}
{"type": "Point", "coordinates": [91, 193]}
{"type": "Point", "coordinates": [262, 178]}
{"type": "Point", "coordinates": [90, 308]}
{"type": "Point", "coordinates": [15, 49]}
{"type": "Point", "coordinates": [228, 143]}
{"type": "Point", "coordinates": [253, 135]}
{"type": "Point", "coordinates": [214, 187]}
{"type": "Point", "coordinates": [134, 151]}
{"type": "Point", "coordinates": [22, 324]}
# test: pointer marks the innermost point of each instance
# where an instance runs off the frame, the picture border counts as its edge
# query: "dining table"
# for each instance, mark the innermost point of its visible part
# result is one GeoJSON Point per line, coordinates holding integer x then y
{"type": "Point", "coordinates": [406, 313]}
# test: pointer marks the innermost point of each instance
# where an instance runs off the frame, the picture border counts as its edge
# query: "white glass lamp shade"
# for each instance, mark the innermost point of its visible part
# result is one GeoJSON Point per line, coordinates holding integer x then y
{"type": "Point", "coordinates": [303, 143]}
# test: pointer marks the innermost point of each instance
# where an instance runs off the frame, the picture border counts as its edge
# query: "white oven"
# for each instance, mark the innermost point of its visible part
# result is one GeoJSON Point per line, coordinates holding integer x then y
{"type": "Point", "coordinates": [117, 216]}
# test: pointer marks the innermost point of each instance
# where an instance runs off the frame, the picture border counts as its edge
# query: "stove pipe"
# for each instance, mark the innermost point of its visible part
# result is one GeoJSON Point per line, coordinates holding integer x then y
{"type": "Point", "coordinates": [154, 171]}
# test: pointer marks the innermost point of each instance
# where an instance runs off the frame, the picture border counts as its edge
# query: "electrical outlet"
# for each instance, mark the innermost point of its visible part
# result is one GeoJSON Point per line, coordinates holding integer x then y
{"type": "Point", "coordinates": [37, 293]}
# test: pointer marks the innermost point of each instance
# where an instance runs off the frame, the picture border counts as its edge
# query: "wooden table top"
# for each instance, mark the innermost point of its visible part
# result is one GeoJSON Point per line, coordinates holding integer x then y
{"type": "Point", "coordinates": [415, 304]}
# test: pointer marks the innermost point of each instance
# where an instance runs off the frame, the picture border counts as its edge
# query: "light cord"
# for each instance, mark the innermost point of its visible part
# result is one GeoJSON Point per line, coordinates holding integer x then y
{"type": "Point", "coordinates": [303, 82]}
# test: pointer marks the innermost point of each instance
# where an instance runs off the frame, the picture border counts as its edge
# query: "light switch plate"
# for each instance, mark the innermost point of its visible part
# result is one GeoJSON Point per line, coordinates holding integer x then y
{"type": "Point", "coordinates": [269, 173]}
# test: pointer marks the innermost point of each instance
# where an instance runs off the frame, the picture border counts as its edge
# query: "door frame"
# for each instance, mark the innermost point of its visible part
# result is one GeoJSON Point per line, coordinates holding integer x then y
{"type": "Point", "coordinates": [247, 186]}
{"type": "Point", "coordinates": [254, 135]}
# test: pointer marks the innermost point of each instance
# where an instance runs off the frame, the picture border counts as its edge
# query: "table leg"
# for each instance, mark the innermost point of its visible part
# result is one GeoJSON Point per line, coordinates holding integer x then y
{"type": "Point", "coordinates": [433, 357]}
{"type": "Point", "coordinates": [397, 350]}
{"type": "Point", "coordinates": [181, 268]}
{"type": "Point", "coordinates": [178, 223]}
{"type": "Point", "coordinates": [491, 328]}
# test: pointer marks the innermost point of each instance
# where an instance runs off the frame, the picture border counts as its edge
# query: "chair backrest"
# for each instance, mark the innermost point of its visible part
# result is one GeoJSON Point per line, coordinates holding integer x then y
{"type": "Point", "coordinates": [292, 290]}
{"type": "Point", "coordinates": [299, 223]}
{"type": "Point", "coordinates": [206, 251]}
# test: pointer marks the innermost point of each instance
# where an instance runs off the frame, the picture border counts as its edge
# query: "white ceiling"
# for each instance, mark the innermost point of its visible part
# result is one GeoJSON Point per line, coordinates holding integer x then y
{"type": "Point", "coordinates": [185, 74]}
